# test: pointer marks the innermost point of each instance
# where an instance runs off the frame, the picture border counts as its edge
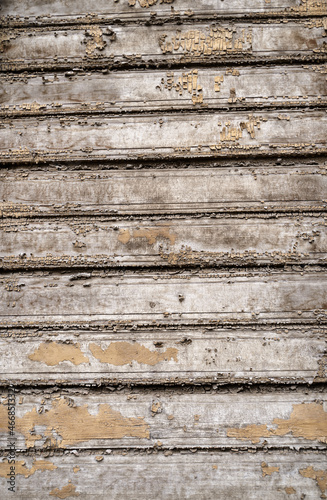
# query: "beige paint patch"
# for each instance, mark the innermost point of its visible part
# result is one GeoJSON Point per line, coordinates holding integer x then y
{"type": "Point", "coordinates": [188, 82]}
{"type": "Point", "coordinates": [214, 41]}
{"type": "Point", "coordinates": [94, 41]}
{"type": "Point", "coordinates": [123, 353]}
{"type": "Point", "coordinates": [318, 475]}
{"type": "Point", "coordinates": [307, 420]}
{"type": "Point", "coordinates": [268, 470]}
{"type": "Point", "coordinates": [66, 424]}
{"type": "Point", "coordinates": [52, 353]}
{"type": "Point", "coordinates": [67, 491]}
{"type": "Point", "coordinates": [147, 3]}
{"type": "Point", "coordinates": [20, 467]}
{"type": "Point", "coordinates": [290, 490]}
{"type": "Point", "coordinates": [76, 469]}
{"type": "Point", "coordinates": [151, 234]}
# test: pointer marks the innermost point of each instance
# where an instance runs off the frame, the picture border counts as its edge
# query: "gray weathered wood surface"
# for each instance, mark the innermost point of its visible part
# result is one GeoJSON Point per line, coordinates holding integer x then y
{"type": "Point", "coordinates": [163, 248]}
{"type": "Point", "coordinates": [20, 12]}
{"type": "Point", "coordinates": [176, 420]}
{"type": "Point", "coordinates": [124, 46]}
{"type": "Point", "coordinates": [242, 87]}
{"type": "Point", "coordinates": [208, 475]}
{"type": "Point", "coordinates": [89, 242]}
{"type": "Point", "coordinates": [162, 136]}
{"type": "Point", "coordinates": [296, 186]}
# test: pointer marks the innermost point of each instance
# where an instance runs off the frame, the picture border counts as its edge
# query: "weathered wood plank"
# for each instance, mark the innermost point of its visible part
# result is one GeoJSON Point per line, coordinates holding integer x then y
{"type": "Point", "coordinates": [20, 12]}
{"type": "Point", "coordinates": [69, 298]}
{"type": "Point", "coordinates": [217, 356]}
{"type": "Point", "coordinates": [250, 188]}
{"type": "Point", "coordinates": [251, 87]}
{"type": "Point", "coordinates": [273, 475]}
{"type": "Point", "coordinates": [161, 136]}
{"type": "Point", "coordinates": [200, 420]}
{"type": "Point", "coordinates": [223, 241]}
{"type": "Point", "coordinates": [109, 46]}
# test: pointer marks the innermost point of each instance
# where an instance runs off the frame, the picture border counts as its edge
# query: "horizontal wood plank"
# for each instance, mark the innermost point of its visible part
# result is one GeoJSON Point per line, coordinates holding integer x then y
{"type": "Point", "coordinates": [273, 475]}
{"type": "Point", "coordinates": [20, 12]}
{"type": "Point", "coordinates": [246, 87]}
{"type": "Point", "coordinates": [206, 241]}
{"type": "Point", "coordinates": [162, 136]}
{"type": "Point", "coordinates": [249, 188]}
{"type": "Point", "coordinates": [58, 298]}
{"type": "Point", "coordinates": [108, 46]}
{"type": "Point", "coordinates": [201, 420]}
{"type": "Point", "coordinates": [220, 356]}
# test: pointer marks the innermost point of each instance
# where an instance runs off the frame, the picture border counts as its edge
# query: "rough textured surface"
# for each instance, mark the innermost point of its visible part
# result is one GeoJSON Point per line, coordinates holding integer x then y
{"type": "Point", "coordinates": [163, 203]}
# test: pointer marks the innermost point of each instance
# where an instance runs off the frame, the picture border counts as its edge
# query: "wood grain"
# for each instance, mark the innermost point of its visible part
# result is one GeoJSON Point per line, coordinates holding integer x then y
{"type": "Point", "coordinates": [155, 90]}
{"type": "Point", "coordinates": [109, 46]}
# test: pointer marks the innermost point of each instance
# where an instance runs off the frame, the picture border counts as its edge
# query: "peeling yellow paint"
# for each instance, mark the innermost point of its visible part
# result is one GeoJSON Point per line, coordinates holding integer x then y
{"type": "Point", "coordinates": [20, 467]}
{"type": "Point", "coordinates": [66, 491]}
{"type": "Point", "coordinates": [268, 470]}
{"type": "Point", "coordinates": [318, 475]}
{"type": "Point", "coordinates": [52, 353]}
{"type": "Point", "coordinates": [218, 80]}
{"type": "Point", "coordinates": [214, 41]}
{"type": "Point", "coordinates": [290, 490]}
{"type": "Point", "coordinates": [234, 132]}
{"type": "Point", "coordinates": [151, 234]}
{"type": "Point", "coordinates": [76, 469]}
{"type": "Point", "coordinates": [307, 420]}
{"type": "Point", "coordinates": [123, 353]}
{"type": "Point", "coordinates": [66, 424]}
{"type": "Point", "coordinates": [187, 82]}
{"type": "Point", "coordinates": [147, 3]}
{"type": "Point", "coordinates": [94, 40]}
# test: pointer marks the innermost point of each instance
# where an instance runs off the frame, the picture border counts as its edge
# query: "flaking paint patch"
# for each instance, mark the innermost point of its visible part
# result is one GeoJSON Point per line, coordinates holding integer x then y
{"type": "Point", "coordinates": [66, 491]}
{"type": "Point", "coordinates": [20, 467]}
{"type": "Point", "coordinates": [123, 353]}
{"type": "Point", "coordinates": [52, 353]}
{"type": "Point", "coordinates": [147, 3]}
{"type": "Point", "coordinates": [94, 41]}
{"type": "Point", "coordinates": [290, 490]}
{"type": "Point", "coordinates": [216, 40]}
{"type": "Point", "coordinates": [188, 82]}
{"type": "Point", "coordinates": [318, 475]}
{"type": "Point", "coordinates": [66, 424]}
{"type": "Point", "coordinates": [268, 470]}
{"type": "Point", "coordinates": [151, 234]}
{"type": "Point", "coordinates": [307, 420]}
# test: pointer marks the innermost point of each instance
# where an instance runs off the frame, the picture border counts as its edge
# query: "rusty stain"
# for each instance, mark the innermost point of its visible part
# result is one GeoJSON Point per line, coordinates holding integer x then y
{"type": "Point", "coordinates": [21, 468]}
{"type": "Point", "coordinates": [307, 420]}
{"type": "Point", "coordinates": [151, 234]}
{"type": "Point", "coordinates": [74, 424]}
{"type": "Point", "coordinates": [123, 353]}
{"type": "Point", "coordinates": [318, 475]}
{"type": "Point", "coordinates": [66, 491]}
{"type": "Point", "coordinates": [52, 353]}
{"type": "Point", "coordinates": [268, 470]}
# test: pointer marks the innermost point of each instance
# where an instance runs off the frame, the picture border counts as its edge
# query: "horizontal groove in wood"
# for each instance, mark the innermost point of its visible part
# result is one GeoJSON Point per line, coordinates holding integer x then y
{"type": "Point", "coordinates": [176, 420]}
{"type": "Point", "coordinates": [153, 90]}
{"type": "Point", "coordinates": [186, 242]}
{"type": "Point", "coordinates": [295, 188]}
{"type": "Point", "coordinates": [18, 12]}
{"type": "Point", "coordinates": [67, 298]}
{"type": "Point", "coordinates": [198, 475]}
{"type": "Point", "coordinates": [173, 135]}
{"type": "Point", "coordinates": [128, 46]}
{"type": "Point", "coordinates": [166, 357]}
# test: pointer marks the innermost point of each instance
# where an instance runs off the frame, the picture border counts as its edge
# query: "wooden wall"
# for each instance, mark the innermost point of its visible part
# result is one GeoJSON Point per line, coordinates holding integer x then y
{"type": "Point", "coordinates": [163, 204]}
